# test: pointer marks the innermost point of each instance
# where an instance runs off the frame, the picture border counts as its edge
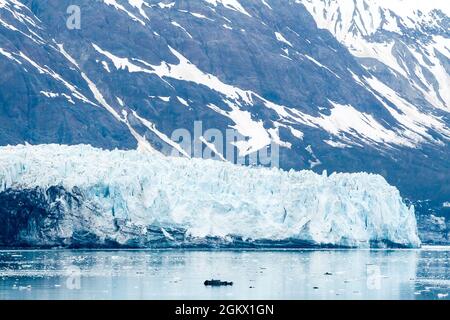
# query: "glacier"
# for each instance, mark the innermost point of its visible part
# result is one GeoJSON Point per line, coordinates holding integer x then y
{"type": "Point", "coordinates": [80, 196]}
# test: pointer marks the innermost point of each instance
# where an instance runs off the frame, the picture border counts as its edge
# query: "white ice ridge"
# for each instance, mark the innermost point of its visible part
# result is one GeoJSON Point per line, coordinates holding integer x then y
{"type": "Point", "coordinates": [208, 198]}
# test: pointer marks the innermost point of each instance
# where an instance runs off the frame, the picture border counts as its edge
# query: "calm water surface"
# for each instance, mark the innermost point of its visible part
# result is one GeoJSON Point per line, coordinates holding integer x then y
{"type": "Point", "coordinates": [179, 274]}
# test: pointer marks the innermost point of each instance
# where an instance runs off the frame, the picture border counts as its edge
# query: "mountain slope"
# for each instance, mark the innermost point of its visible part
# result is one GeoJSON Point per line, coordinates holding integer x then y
{"type": "Point", "coordinates": [411, 38]}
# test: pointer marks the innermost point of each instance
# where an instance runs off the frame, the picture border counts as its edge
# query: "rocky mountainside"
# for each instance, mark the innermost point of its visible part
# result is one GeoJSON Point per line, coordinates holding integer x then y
{"type": "Point", "coordinates": [343, 86]}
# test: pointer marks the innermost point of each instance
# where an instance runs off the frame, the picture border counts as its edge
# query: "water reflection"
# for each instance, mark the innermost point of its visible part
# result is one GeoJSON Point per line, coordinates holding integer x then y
{"type": "Point", "coordinates": [301, 274]}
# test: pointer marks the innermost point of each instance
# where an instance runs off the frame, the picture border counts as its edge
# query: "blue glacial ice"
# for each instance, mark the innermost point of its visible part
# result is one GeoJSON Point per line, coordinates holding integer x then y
{"type": "Point", "coordinates": [53, 195]}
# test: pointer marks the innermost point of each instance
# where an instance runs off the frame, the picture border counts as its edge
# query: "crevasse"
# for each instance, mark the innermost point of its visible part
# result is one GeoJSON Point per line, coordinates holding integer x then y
{"type": "Point", "coordinates": [130, 198]}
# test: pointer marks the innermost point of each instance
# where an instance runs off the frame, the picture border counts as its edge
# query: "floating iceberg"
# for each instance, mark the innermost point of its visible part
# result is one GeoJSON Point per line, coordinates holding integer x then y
{"type": "Point", "coordinates": [79, 196]}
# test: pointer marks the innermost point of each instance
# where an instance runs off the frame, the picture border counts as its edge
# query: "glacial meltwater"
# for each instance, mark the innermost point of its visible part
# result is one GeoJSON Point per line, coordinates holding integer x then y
{"type": "Point", "coordinates": [180, 274]}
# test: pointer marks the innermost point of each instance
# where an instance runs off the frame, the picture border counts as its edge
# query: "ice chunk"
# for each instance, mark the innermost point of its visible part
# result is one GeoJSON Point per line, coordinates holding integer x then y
{"type": "Point", "coordinates": [124, 196]}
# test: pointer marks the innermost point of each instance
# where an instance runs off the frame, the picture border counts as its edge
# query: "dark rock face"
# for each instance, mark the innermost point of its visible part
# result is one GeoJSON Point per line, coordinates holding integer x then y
{"type": "Point", "coordinates": [57, 218]}
{"type": "Point", "coordinates": [31, 217]}
{"type": "Point", "coordinates": [50, 95]}
{"type": "Point", "coordinates": [435, 230]}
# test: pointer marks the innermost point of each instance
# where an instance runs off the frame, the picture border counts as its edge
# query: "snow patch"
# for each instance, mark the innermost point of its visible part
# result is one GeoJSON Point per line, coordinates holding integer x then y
{"type": "Point", "coordinates": [229, 4]}
{"type": "Point", "coordinates": [282, 39]}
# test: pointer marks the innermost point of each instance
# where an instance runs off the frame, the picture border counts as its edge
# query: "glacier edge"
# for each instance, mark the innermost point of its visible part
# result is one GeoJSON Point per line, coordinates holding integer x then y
{"type": "Point", "coordinates": [79, 196]}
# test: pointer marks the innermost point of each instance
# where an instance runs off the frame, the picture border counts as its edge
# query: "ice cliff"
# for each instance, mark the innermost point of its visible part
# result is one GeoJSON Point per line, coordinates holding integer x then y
{"type": "Point", "coordinates": [79, 196]}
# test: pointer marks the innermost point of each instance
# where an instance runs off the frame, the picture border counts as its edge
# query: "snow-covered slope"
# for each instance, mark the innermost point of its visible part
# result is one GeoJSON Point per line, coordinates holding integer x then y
{"type": "Point", "coordinates": [411, 37]}
{"type": "Point", "coordinates": [350, 18]}
{"type": "Point", "coordinates": [186, 202]}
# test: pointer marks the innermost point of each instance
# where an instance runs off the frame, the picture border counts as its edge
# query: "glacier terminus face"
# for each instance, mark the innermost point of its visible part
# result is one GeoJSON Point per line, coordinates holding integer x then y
{"type": "Point", "coordinates": [71, 196]}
